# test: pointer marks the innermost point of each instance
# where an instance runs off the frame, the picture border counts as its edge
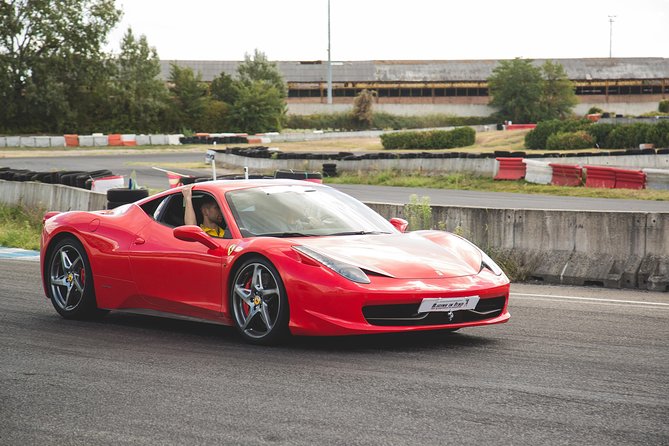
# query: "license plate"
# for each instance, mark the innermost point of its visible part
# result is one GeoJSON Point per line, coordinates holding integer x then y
{"type": "Point", "coordinates": [448, 304]}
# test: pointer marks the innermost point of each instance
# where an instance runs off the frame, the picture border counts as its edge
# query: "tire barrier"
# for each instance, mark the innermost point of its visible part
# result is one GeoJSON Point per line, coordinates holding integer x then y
{"type": "Point", "coordinates": [80, 179]}
{"type": "Point", "coordinates": [510, 169]}
{"type": "Point", "coordinates": [537, 172]}
{"type": "Point", "coordinates": [119, 196]}
{"type": "Point", "coordinates": [330, 169]}
{"type": "Point", "coordinates": [566, 175]}
{"type": "Point", "coordinates": [207, 138]}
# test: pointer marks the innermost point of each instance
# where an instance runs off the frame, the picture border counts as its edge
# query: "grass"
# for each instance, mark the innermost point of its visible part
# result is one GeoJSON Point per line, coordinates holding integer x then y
{"type": "Point", "coordinates": [19, 227]}
{"type": "Point", "coordinates": [463, 181]}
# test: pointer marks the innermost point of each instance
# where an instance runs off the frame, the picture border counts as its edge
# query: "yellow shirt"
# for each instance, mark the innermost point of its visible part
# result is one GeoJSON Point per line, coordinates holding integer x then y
{"type": "Point", "coordinates": [214, 232]}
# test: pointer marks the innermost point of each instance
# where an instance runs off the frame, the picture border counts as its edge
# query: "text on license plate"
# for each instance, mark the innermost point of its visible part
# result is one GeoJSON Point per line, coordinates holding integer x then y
{"type": "Point", "coordinates": [448, 304]}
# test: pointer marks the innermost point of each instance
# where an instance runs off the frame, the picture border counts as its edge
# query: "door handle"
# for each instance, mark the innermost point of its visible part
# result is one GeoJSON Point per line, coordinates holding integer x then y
{"type": "Point", "coordinates": [139, 241]}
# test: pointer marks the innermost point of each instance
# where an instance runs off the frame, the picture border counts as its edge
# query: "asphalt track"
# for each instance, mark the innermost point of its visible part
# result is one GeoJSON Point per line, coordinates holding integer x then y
{"type": "Point", "coordinates": [146, 176]}
{"type": "Point", "coordinates": [574, 366]}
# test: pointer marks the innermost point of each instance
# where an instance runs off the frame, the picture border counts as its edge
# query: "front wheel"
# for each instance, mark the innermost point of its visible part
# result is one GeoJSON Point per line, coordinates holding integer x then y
{"type": "Point", "coordinates": [258, 302]}
{"type": "Point", "coordinates": [70, 281]}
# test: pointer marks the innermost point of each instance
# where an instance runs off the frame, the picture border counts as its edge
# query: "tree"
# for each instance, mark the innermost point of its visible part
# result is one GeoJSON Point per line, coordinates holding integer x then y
{"type": "Point", "coordinates": [53, 73]}
{"type": "Point", "coordinates": [188, 96]}
{"type": "Point", "coordinates": [362, 108]}
{"type": "Point", "coordinates": [259, 68]}
{"type": "Point", "coordinates": [223, 89]}
{"type": "Point", "coordinates": [516, 87]}
{"type": "Point", "coordinates": [140, 97]}
{"type": "Point", "coordinates": [557, 97]}
{"type": "Point", "coordinates": [259, 108]}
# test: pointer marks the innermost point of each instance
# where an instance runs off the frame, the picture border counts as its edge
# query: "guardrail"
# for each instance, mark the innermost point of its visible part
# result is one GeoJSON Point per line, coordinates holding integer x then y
{"type": "Point", "coordinates": [610, 249]}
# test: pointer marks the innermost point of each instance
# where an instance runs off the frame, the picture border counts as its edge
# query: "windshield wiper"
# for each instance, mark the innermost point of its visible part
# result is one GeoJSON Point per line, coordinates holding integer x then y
{"type": "Point", "coordinates": [283, 234]}
{"type": "Point", "coordinates": [359, 233]}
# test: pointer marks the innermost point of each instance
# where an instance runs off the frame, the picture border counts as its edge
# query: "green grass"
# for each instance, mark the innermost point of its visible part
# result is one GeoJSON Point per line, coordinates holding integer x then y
{"type": "Point", "coordinates": [463, 181]}
{"type": "Point", "coordinates": [20, 228]}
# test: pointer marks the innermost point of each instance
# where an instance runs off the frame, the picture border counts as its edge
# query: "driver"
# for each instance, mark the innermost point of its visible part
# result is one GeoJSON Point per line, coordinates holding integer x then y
{"type": "Point", "coordinates": [212, 218]}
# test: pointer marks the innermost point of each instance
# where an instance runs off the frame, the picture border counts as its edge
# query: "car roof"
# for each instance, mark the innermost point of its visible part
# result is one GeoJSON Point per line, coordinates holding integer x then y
{"type": "Point", "coordinates": [223, 186]}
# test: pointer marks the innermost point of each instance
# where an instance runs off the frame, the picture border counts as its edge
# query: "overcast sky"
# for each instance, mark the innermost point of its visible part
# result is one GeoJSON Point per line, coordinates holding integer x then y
{"type": "Point", "coordinates": [397, 29]}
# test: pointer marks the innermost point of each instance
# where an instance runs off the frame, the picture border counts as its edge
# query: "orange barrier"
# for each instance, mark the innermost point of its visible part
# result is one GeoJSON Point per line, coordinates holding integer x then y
{"type": "Point", "coordinates": [129, 143]}
{"type": "Point", "coordinates": [520, 126]}
{"type": "Point", "coordinates": [71, 140]}
{"type": "Point", "coordinates": [114, 139]}
{"type": "Point", "coordinates": [566, 175]}
{"type": "Point", "coordinates": [630, 179]}
{"type": "Point", "coordinates": [598, 176]}
{"type": "Point", "coordinates": [510, 169]}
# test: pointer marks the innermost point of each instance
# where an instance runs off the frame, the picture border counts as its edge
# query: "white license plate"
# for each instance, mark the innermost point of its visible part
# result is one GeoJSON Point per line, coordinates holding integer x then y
{"type": "Point", "coordinates": [448, 304]}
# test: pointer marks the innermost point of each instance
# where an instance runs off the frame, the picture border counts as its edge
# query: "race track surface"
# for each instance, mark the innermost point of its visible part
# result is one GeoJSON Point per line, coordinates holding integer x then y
{"type": "Point", "coordinates": [574, 366]}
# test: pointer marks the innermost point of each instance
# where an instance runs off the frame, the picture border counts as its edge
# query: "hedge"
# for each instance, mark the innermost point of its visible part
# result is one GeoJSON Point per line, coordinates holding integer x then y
{"type": "Point", "coordinates": [381, 120]}
{"type": "Point", "coordinates": [433, 139]}
{"type": "Point", "coordinates": [537, 138]}
{"type": "Point", "coordinates": [570, 141]}
{"type": "Point", "coordinates": [612, 136]}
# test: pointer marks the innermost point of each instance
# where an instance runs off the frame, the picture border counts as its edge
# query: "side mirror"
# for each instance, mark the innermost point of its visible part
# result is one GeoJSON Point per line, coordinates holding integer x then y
{"type": "Point", "coordinates": [399, 223]}
{"type": "Point", "coordinates": [191, 233]}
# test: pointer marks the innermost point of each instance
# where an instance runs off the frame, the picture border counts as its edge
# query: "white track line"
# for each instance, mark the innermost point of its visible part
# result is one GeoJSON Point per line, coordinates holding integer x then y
{"type": "Point", "coordinates": [590, 299]}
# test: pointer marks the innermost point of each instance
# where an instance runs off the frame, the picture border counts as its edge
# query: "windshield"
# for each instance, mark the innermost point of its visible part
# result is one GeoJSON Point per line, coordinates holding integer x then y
{"type": "Point", "coordinates": [294, 211]}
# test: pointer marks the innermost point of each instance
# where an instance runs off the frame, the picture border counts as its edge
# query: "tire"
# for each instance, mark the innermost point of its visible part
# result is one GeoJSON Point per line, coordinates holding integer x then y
{"type": "Point", "coordinates": [123, 195]}
{"type": "Point", "coordinates": [258, 302]}
{"type": "Point", "coordinates": [114, 204]}
{"type": "Point", "coordinates": [70, 281]}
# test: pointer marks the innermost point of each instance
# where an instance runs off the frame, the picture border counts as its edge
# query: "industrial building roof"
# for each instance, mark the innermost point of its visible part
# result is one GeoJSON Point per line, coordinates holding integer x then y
{"type": "Point", "coordinates": [432, 70]}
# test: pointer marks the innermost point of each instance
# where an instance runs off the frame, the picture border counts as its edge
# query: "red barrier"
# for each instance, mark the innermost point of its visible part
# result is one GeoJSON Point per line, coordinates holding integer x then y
{"type": "Point", "coordinates": [114, 139]}
{"type": "Point", "coordinates": [510, 169]}
{"type": "Point", "coordinates": [71, 140]}
{"type": "Point", "coordinates": [520, 126]}
{"type": "Point", "coordinates": [566, 175]}
{"type": "Point", "coordinates": [630, 179]}
{"type": "Point", "coordinates": [598, 176]}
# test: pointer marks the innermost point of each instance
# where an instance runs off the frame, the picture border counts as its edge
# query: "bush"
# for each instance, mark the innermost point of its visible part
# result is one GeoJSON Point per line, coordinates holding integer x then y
{"type": "Point", "coordinates": [381, 120]}
{"type": "Point", "coordinates": [537, 138]}
{"type": "Point", "coordinates": [595, 110]}
{"type": "Point", "coordinates": [433, 139]}
{"type": "Point", "coordinates": [570, 141]}
{"type": "Point", "coordinates": [600, 132]}
{"type": "Point", "coordinates": [663, 106]}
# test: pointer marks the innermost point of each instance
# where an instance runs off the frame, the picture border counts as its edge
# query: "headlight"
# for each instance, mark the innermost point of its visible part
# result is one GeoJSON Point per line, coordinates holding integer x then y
{"type": "Point", "coordinates": [352, 273]}
{"type": "Point", "coordinates": [487, 262]}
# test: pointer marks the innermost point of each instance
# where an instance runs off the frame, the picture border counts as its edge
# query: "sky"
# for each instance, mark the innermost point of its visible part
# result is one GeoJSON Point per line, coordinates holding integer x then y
{"type": "Point", "coordinates": [293, 30]}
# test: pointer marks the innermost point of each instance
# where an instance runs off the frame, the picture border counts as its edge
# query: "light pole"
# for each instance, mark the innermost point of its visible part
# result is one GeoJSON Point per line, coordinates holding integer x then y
{"type": "Point", "coordinates": [611, 17]}
{"type": "Point", "coordinates": [329, 60]}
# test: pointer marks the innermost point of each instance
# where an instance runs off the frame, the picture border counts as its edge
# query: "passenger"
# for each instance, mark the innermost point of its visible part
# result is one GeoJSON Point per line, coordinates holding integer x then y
{"type": "Point", "coordinates": [212, 218]}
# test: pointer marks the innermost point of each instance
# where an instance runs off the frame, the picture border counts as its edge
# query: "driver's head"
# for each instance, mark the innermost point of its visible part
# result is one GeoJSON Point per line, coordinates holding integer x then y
{"type": "Point", "coordinates": [210, 210]}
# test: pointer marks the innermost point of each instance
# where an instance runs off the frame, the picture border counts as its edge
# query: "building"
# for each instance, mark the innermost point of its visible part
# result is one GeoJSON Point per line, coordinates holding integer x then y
{"type": "Point", "coordinates": [458, 87]}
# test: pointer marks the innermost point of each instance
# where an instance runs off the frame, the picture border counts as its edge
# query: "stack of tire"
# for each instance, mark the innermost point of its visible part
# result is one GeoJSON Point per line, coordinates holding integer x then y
{"type": "Point", "coordinates": [75, 178]}
{"type": "Point", "coordinates": [119, 196]}
{"type": "Point", "coordinates": [329, 169]}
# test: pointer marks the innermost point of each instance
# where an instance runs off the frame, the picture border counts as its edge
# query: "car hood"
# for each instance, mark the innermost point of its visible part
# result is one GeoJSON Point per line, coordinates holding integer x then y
{"type": "Point", "coordinates": [403, 256]}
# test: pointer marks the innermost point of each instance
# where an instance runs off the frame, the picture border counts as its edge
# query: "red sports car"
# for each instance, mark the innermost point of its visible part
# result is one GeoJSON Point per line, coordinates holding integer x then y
{"type": "Point", "coordinates": [295, 257]}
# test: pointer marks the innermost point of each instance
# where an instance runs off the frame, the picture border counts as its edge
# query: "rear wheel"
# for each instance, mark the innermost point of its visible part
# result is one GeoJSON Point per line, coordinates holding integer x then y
{"type": "Point", "coordinates": [70, 281]}
{"type": "Point", "coordinates": [258, 302]}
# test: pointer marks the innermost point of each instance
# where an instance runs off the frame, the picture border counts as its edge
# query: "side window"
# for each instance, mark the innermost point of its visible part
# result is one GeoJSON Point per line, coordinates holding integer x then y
{"type": "Point", "coordinates": [203, 198]}
{"type": "Point", "coordinates": [171, 211]}
{"type": "Point", "coordinates": [152, 207]}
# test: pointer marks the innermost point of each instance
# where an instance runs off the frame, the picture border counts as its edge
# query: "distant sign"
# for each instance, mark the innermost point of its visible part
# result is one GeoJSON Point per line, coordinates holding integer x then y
{"type": "Point", "coordinates": [210, 156]}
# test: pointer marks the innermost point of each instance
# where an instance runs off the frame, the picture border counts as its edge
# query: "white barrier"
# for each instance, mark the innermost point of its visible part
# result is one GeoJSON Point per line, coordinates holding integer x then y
{"type": "Point", "coordinates": [158, 140]}
{"type": "Point", "coordinates": [57, 141]}
{"type": "Point", "coordinates": [3, 141]}
{"type": "Point", "coordinates": [27, 141]}
{"type": "Point", "coordinates": [657, 178]}
{"type": "Point", "coordinates": [42, 141]}
{"type": "Point", "coordinates": [173, 140]}
{"type": "Point", "coordinates": [143, 140]}
{"type": "Point", "coordinates": [538, 172]}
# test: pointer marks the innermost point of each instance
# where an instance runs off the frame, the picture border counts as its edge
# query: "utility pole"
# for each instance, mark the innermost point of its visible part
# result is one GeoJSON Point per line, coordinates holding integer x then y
{"type": "Point", "coordinates": [611, 17]}
{"type": "Point", "coordinates": [329, 60]}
